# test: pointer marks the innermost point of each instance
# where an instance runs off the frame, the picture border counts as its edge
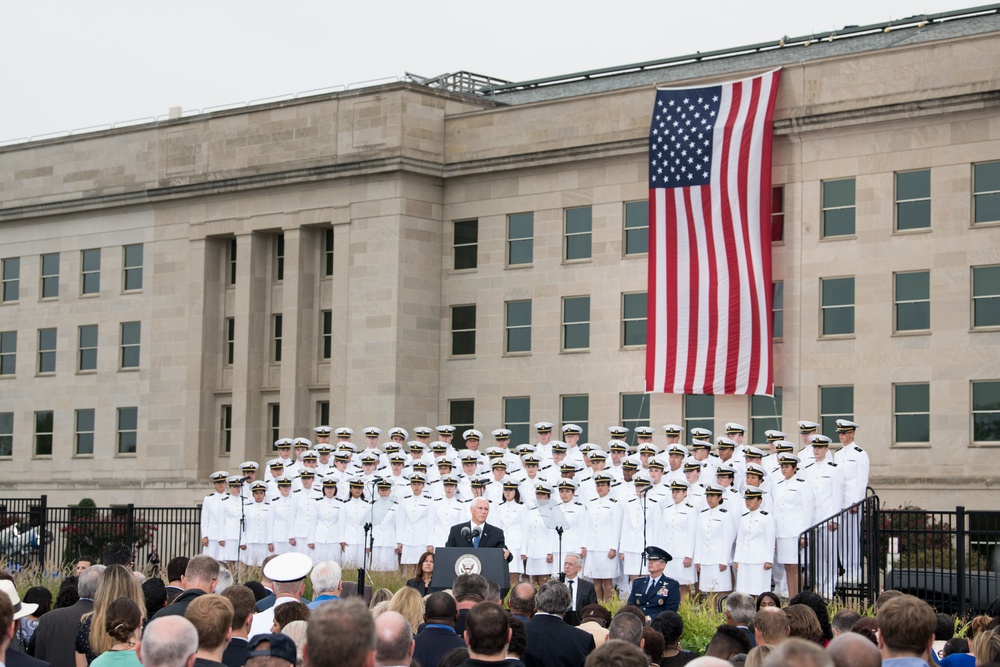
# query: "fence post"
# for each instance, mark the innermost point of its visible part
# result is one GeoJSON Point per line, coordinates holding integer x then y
{"type": "Point", "coordinates": [43, 529]}
{"type": "Point", "coordinates": [960, 558]}
{"type": "Point", "coordinates": [130, 527]}
{"type": "Point", "coordinates": [871, 526]}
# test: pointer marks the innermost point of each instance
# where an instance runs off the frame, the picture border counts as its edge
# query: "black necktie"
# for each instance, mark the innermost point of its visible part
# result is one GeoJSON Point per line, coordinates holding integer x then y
{"type": "Point", "coordinates": [572, 597]}
{"type": "Point", "coordinates": [650, 587]}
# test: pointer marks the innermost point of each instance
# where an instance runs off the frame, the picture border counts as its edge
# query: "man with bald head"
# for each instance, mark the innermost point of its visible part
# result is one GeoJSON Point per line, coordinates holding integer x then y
{"type": "Point", "coordinates": [851, 649]}
{"type": "Point", "coordinates": [170, 641]}
{"type": "Point", "coordinates": [477, 533]}
{"type": "Point", "coordinates": [393, 640]}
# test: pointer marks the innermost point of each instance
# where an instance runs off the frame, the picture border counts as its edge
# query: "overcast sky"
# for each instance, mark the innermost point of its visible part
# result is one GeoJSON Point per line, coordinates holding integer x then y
{"type": "Point", "coordinates": [75, 64]}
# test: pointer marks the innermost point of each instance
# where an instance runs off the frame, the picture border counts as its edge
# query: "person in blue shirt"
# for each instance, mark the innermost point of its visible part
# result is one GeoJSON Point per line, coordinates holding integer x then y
{"type": "Point", "coordinates": [326, 583]}
{"type": "Point", "coordinates": [655, 593]}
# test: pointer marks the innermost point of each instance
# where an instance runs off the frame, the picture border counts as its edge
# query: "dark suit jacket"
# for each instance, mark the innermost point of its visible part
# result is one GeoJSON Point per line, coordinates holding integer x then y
{"type": "Point", "coordinates": [235, 654]}
{"type": "Point", "coordinates": [18, 659]}
{"type": "Point", "coordinates": [749, 635]}
{"type": "Point", "coordinates": [180, 605]}
{"type": "Point", "coordinates": [585, 594]}
{"type": "Point", "coordinates": [553, 643]}
{"type": "Point", "coordinates": [492, 537]}
{"type": "Point", "coordinates": [432, 643]}
{"type": "Point", "coordinates": [55, 638]}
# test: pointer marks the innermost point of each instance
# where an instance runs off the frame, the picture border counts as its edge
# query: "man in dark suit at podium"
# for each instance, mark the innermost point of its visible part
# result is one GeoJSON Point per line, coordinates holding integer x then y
{"type": "Point", "coordinates": [477, 533]}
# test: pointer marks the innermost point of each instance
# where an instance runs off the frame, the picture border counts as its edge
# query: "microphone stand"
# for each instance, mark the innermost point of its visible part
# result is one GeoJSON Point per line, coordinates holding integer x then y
{"type": "Point", "coordinates": [643, 561]}
{"type": "Point", "coordinates": [362, 571]}
{"type": "Point", "coordinates": [239, 540]}
{"type": "Point", "coordinates": [562, 573]}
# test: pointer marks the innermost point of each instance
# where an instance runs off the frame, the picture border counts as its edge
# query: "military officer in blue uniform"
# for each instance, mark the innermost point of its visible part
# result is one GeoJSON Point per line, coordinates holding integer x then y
{"type": "Point", "coordinates": [655, 594]}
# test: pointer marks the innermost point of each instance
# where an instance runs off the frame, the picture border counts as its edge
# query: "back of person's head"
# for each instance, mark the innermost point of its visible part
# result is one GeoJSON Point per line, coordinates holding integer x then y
{"type": "Point", "coordinates": [627, 628]}
{"type": "Point", "coordinates": [408, 602]}
{"type": "Point", "coordinates": [844, 620]}
{"type": "Point", "coordinates": [225, 579]}
{"type": "Point", "coordinates": [154, 591]}
{"type": "Point", "coordinates": [795, 652]}
{"type": "Point", "coordinates": [945, 627]}
{"type": "Point", "coordinates": [258, 590]}
{"type": "Point", "coordinates": [670, 625]}
{"type": "Point", "coordinates": [341, 633]}
{"type": "Point", "coordinates": [802, 623]}
{"type": "Point", "coordinates": [454, 658]}
{"type": "Point", "coordinates": [652, 644]}
{"type": "Point", "coordinates": [470, 588]}
{"type": "Point", "coordinates": [201, 573]}
{"type": "Point", "coordinates": [170, 641]}
{"type": "Point", "coordinates": [41, 596]}
{"type": "Point", "coordinates": [487, 630]}
{"type": "Point", "coordinates": [440, 608]}
{"type": "Point", "coordinates": [884, 597]}
{"type": "Point", "coordinates": [757, 655]}
{"type": "Point", "coordinates": [740, 607]}
{"type": "Point", "coordinates": [393, 639]}
{"type": "Point", "coordinates": [977, 625]}
{"type": "Point", "coordinates": [867, 627]}
{"type": "Point", "coordinates": [493, 592]}
{"type": "Point", "coordinates": [616, 653]}
{"type": "Point", "coordinates": [518, 637]}
{"type": "Point", "coordinates": [68, 594]}
{"type": "Point", "coordinates": [771, 625]}
{"type": "Point", "coordinates": [906, 626]}
{"type": "Point", "coordinates": [89, 580]}
{"type": "Point", "coordinates": [634, 610]}
{"type": "Point", "coordinates": [955, 645]}
{"type": "Point", "coordinates": [379, 596]}
{"type": "Point", "coordinates": [296, 631]}
{"type": "Point", "coordinates": [212, 617]}
{"type": "Point", "coordinates": [176, 567]}
{"type": "Point", "coordinates": [986, 647]}
{"type": "Point", "coordinates": [850, 649]}
{"type": "Point", "coordinates": [117, 553]}
{"type": "Point", "coordinates": [116, 582]}
{"type": "Point", "coordinates": [325, 577]}
{"type": "Point", "coordinates": [815, 602]}
{"type": "Point", "coordinates": [291, 611]}
{"type": "Point", "coordinates": [6, 615]}
{"type": "Point", "coordinates": [727, 642]}
{"type": "Point", "coordinates": [244, 605]}
{"type": "Point", "coordinates": [122, 620]}
{"type": "Point", "coordinates": [553, 598]}
{"type": "Point", "coordinates": [522, 599]}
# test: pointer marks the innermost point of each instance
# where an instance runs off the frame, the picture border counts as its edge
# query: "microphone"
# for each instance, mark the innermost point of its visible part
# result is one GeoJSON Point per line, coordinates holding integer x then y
{"type": "Point", "coordinates": [245, 479]}
{"type": "Point", "coordinates": [466, 533]}
{"type": "Point", "coordinates": [476, 532]}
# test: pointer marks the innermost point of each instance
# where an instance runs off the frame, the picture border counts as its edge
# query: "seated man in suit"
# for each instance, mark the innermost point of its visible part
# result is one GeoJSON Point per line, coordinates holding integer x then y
{"type": "Point", "coordinates": [655, 594]}
{"type": "Point", "coordinates": [477, 533]}
{"type": "Point", "coordinates": [581, 591]}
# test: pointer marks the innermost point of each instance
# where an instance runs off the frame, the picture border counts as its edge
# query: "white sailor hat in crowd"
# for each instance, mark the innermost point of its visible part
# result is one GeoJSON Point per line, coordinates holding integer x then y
{"type": "Point", "coordinates": [309, 473]}
{"type": "Point", "coordinates": [275, 464]}
{"type": "Point", "coordinates": [399, 430]}
{"type": "Point", "coordinates": [644, 431]}
{"type": "Point", "coordinates": [597, 455]}
{"type": "Point", "coordinates": [531, 460]}
{"type": "Point", "coordinates": [753, 493]}
{"type": "Point", "coordinates": [480, 482]}
{"type": "Point", "coordinates": [417, 478]}
{"type": "Point", "coordinates": [309, 455]}
{"type": "Point", "coordinates": [288, 567]}
{"type": "Point", "coordinates": [372, 431]}
{"type": "Point", "coordinates": [726, 469]}
{"type": "Point", "coordinates": [692, 464]}
{"type": "Point", "coordinates": [567, 484]}
{"type": "Point", "coordinates": [415, 444]}
{"type": "Point", "coordinates": [642, 479]}
{"type": "Point", "coordinates": [422, 431]}
{"type": "Point", "coordinates": [21, 609]}
{"type": "Point", "coordinates": [751, 452]}
{"type": "Point", "coordinates": [698, 443]}
{"type": "Point", "coordinates": [322, 430]}
{"type": "Point", "coordinates": [419, 465]}
{"type": "Point", "coordinates": [343, 455]}
{"type": "Point", "coordinates": [714, 490]}
{"type": "Point", "coordinates": [524, 450]}
{"type": "Point", "coordinates": [449, 480]}
{"type": "Point", "coordinates": [568, 466]}
{"type": "Point", "coordinates": [618, 432]}
{"type": "Point", "coordinates": [544, 488]}
{"type": "Point", "coordinates": [468, 456]}
{"type": "Point", "coordinates": [383, 483]}
{"type": "Point", "coordinates": [283, 480]}
{"type": "Point", "coordinates": [784, 446]}
{"type": "Point", "coordinates": [249, 466]}
{"type": "Point", "coordinates": [673, 430]}
{"type": "Point", "coordinates": [733, 428]}
{"type": "Point", "coordinates": [369, 457]}
{"type": "Point", "coordinates": [544, 427]}
{"type": "Point", "coordinates": [302, 442]}
{"type": "Point", "coordinates": [806, 426]}
{"type": "Point", "coordinates": [219, 476]}
{"type": "Point", "coordinates": [446, 429]}
{"type": "Point", "coordinates": [701, 433]}
{"type": "Point", "coordinates": [571, 429]}
{"type": "Point", "coordinates": [472, 434]}
{"type": "Point", "coordinates": [617, 446]}
{"type": "Point", "coordinates": [498, 463]}
{"type": "Point", "coordinates": [657, 463]}
{"type": "Point", "coordinates": [283, 443]}
{"type": "Point", "coordinates": [258, 486]}
{"type": "Point", "coordinates": [630, 462]}
{"type": "Point", "coordinates": [510, 484]}
{"type": "Point", "coordinates": [602, 478]}
{"type": "Point", "coordinates": [678, 485]}
{"type": "Point", "coordinates": [344, 432]}
{"type": "Point", "coordinates": [445, 461]}
{"type": "Point", "coordinates": [560, 447]}
{"type": "Point", "coordinates": [439, 446]}
{"type": "Point", "coordinates": [725, 443]}
{"type": "Point", "coordinates": [844, 425]}
{"type": "Point", "coordinates": [785, 459]}
{"type": "Point", "coordinates": [587, 447]}
{"type": "Point", "coordinates": [391, 447]}
{"type": "Point", "coordinates": [348, 447]}
{"type": "Point", "coordinates": [501, 433]}
{"type": "Point", "coordinates": [648, 448]}
{"type": "Point", "coordinates": [495, 452]}
{"type": "Point", "coordinates": [754, 469]}
{"type": "Point", "coordinates": [677, 449]}
{"type": "Point", "coordinates": [355, 483]}
{"type": "Point", "coordinates": [774, 434]}
{"type": "Point", "coordinates": [234, 480]}
{"type": "Point", "coordinates": [397, 457]}
{"type": "Point", "coordinates": [324, 448]}
{"type": "Point", "coordinates": [819, 440]}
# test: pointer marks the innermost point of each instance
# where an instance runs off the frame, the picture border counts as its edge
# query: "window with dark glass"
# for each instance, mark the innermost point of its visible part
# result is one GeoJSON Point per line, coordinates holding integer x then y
{"type": "Point", "coordinates": [520, 238]}
{"type": "Point", "coordinates": [466, 245]}
{"type": "Point", "coordinates": [838, 208]}
{"type": "Point", "coordinates": [637, 227]}
{"type": "Point", "coordinates": [463, 330]}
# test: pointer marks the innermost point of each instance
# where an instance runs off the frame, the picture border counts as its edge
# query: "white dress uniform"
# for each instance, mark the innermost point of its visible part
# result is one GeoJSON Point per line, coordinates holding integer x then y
{"type": "Point", "coordinates": [383, 556]}
{"type": "Point", "coordinates": [793, 513]}
{"type": "Point", "coordinates": [325, 530]}
{"type": "Point", "coordinates": [415, 526]}
{"type": "Point", "coordinates": [229, 532]}
{"type": "Point", "coordinates": [678, 533]}
{"type": "Point", "coordinates": [713, 547]}
{"type": "Point", "coordinates": [448, 512]}
{"type": "Point", "coordinates": [604, 518]}
{"type": "Point", "coordinates": [512, 517]}
{"type": "Point", "coordinates": [638, 517]}
{"type": "Point", "coordinates": [211, 523]}
{"type": "Point", "coordinates": [354, 515]}
{"type": "Point", "coordinates": [575, 527]}
{"type": "Point", "coordinates": [256, 536]}
{"type": "Point", "coordinates": [854, 465]}
{"type": "Point", "coordinates": [305, 506]}
{"type": "Point", "coordinates": [754, 546]}
{"type": "Point", "coordinates": [824, 478]}
{"type": "Point", "coordinates": [538, 543]}
{"type": "Point", "coordinates": [282, 524]}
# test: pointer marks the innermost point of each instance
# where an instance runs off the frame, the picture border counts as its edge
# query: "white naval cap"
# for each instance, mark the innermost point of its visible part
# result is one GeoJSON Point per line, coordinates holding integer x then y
{"type": "Point", "coordinates": [288, 567]}
{"type": "Point", "coordinates": [845, 425]}
{"type": "Point", "coordinates": [501, 433]}
{"type": "Point", "coordinates": [806, 426]}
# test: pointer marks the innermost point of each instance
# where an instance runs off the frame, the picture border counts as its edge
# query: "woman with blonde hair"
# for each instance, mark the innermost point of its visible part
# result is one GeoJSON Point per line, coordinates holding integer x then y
{"type": "Point", "coordinates": [408, 602]}
{"type": "Point", "coordinates": [986, 647]}
{"type": "Point", "coordinates": [122, 623]}
{"type": "Point", "coordinates": [92, 638]}
{"type": "Point", "coordinates": [756, 656]}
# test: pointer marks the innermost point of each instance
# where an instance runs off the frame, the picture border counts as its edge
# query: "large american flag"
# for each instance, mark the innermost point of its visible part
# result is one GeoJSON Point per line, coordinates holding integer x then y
{"type": "Point", "coordinates": [709, 313]}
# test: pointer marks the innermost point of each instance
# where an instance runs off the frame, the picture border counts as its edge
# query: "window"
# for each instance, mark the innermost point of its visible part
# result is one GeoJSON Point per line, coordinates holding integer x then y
{"type": "Point", "coordinates": [699, 412]}
{"type": "Point", "coordinates": [43, 432]}
{"type": "Point", "coordinates": [986, 296]}
{"type": "Point", "coordinates": [986, 192]}
{"type": "Point", "coordinates": [635, 412]}
{"type": "Point", "coordinates": [328, 252]}
{"type": "Point", "coordinates": [231, 263]}
{"type": "Point", "coordinates": [912, 301]}
{"type": "Point", "coordinates": [576, 322]}
{"type": "Point", "coordinates": [838, 208]}
{"type": "Point", "coordinates": [466, 246]}
{"type": "Point", "coordinates": [913, 200]}
{"type": "Point", "coordinates": [50, 276]}
{"type": "Point", "coordinates": [8, 352]}
{"type": "Point", "coordinates": [633, 319]}
{"type": "Point", "coordinates": [11, 278]}
{"type": "Point", "coordinates": [128, 430]}
{"type": "Point", "coordinates": [576, 410]}
{"type": "Point", "coordinates": [518, 327]}
{"type": "Point", "coordinates": [986, 411]}
{"type": "Point", "coordinates": [87, 358]}
{"type": "Point", "coordinates": [90, 271]}
{"type": "Point", "coordinates": [463, 330]}
{"type": "Point", "coordinates": [461, 415]}
{"type": "Point", "coordinates": [637, 227]}
{"type": "Point", "coordinates": [837, 306]}
{"type": "Point", "coordinates": [279, 257]}
{"type": "Point", "coordinates": [835, 403]}
{"type": "Point", "coordinates": [765, 414]}
{"type": "Point", "coordinates": [911, 407]}
{"type": "Point", "coordinates": [47, 350]}
{"type": "Point", "coordinates": [777, 312]}
{"type": "Point", "coordinates": [323, 412]}
{"type": "Point", "coordinates": [131, 336]}
{"type": "Point", "coordinates": [326, 335]}
{"type": "Point", "coordinates": [276, 324]}
{"type": "Point", "coordinates": [230, 340]}
{"type": "Point", "coordinates": [274, 424]}
{"type": "Point", "coordinates": [133, 267]}
{"type": "Point", "coordinates": [777, 213]}
{"type": "Point", "coordinates": [517, 418]}
{"type": "Point", "coordinates": [579, 223]}
{"type": "Point", "coordinates": [226, 429]}
{"type": "Point", "coordinates": [6, 433]}
{"type": "Point", "coordinates": [84, 445]}
{"type": "Point", "coordinates": [520, 238]}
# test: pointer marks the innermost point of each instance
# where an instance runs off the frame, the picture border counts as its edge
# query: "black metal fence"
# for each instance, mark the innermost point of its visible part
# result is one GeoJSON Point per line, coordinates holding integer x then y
{"type": "Point", "coordinates": [33, 533]}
